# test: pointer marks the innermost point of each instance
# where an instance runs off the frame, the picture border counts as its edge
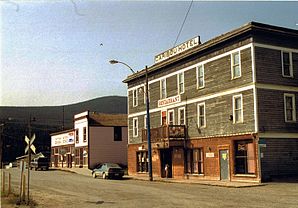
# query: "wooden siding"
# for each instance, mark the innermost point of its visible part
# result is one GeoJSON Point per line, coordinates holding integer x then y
{"type": "Point", "coordinates": [280, 158]}
{"type": "Point", "coordinates": [269, 67]}
{"type": "Point", "coordinates": [271, 112]}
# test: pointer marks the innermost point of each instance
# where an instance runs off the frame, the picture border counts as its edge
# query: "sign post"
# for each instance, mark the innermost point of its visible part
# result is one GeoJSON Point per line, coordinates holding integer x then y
{"type": "Point", "coordinates": [28, 149]}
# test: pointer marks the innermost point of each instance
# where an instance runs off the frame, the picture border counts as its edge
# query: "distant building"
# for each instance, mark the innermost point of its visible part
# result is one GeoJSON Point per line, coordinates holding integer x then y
{"type": "Point", "coordinates": [225, 109]}
{"type": "Point", "coordinates": [96, 138]}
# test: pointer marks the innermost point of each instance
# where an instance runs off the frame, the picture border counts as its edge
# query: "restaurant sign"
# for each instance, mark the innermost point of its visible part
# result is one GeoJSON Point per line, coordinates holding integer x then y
{"type": "Point", "coordinates": [177, 49]}
{"type": "Point", "coordinates": [169, 101]}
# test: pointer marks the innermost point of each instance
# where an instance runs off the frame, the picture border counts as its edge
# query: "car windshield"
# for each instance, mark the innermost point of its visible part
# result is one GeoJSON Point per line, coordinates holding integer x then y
{"type": "Point", "coordinates": [112, 165]}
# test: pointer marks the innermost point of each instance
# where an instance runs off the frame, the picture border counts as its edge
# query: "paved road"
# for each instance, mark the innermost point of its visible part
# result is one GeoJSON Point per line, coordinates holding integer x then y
{"type": "Point", "coordinates": [64, 189]}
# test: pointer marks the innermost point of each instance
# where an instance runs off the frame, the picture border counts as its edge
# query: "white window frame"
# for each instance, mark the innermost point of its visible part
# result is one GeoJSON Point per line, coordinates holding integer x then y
{"type": "Point", "coordinates": [181, 74]}
{"type": "Point", "coordinates": [135, 130]}
{"type": "Point", "coordinates": [234, 110]}
{"type": "Point", "coordinates": [145, 121]}
{"type": "Point", "coordinates": [232, 65]}
{"type": "Point", "coordinates": [179, 115]}
{"type": "Point", "coordinates": [198, 115]}
{"type": "Point", "coordinates": [135, 97]}
{"type": "Point", "coordinates": [291, 64]}
{"type": "Point", "coordinates": [161, 81]}
{"type": "Point", "coordinates": [161, 116]}
{"type": "Point", "coordinates": [168, 117]}
{"type": "Point", "coordinates": [294, 107]}
{"type": "Point", "coordinates": [198, 74]}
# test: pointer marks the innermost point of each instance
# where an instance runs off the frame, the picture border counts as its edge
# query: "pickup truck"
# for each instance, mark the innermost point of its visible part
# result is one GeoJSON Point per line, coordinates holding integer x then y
{"type": "Point", "coordinates": [40, 163]}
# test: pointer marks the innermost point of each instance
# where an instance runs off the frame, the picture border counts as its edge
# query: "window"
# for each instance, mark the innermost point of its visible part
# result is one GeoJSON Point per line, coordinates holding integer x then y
{"type": "Point", "coordinates": [244, 157]}
{"type": "Point", "coordinates": [237, 109]}
{"type": "Point", "coordinates": [135, 97]}
{"type": "Point", "coordinates": [163, 89]}
{"type": "Point", "coordinates": [84, 134]}
{"type": "Point", "coordinates": [180, 81]}
{"type": "Point", "coordinates": [142, 162]}
{"type": "Point", "coordinates": [181, 116]}
{"type": "Point", "coordinates": [287, 64]}
{"type": "Point", "coordinates": [201, 115]}
{"type": "Point", "coordinates": [235, 63]}
{"type": "Point", "coordinates": [289, 107]}
{"type": "Point", "coordinates": [56, 150]}
{"type": "Point", "coordinates": [163, 118]}
{"type": "Point", "coordinates": [171, 117]}
{"type": "Point", "coordinates": [135, 128]}
{"type": "Point", "coordinates": [200, 77]}
{"type": "Point", "coordinates": [117, 133]}
{"type": "Point", "coordinates": [77, 135]}
{"type": "Point", "coordinates": [195, 163]}
{"type": "Point", "coordinates": [144, 92]}
{"type": "Point", "coordinates": [145, 121]}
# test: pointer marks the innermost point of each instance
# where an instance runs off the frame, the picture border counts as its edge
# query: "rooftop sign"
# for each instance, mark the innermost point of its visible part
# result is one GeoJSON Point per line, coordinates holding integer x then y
{"type": "Point", "coordinates": [177, 49]}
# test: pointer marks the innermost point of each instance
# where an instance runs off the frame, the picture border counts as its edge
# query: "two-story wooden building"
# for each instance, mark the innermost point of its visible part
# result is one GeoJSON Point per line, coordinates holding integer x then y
{"type": "Point", "coordinates": [220, 110]}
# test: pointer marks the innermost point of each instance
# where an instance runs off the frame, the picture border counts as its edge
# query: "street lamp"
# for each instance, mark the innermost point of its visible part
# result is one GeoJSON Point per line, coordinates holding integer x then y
{"type": "Point", "coordinates": [148, 116]}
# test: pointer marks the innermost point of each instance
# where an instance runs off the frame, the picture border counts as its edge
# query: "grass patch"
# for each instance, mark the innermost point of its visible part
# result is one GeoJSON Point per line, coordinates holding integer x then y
{"type": "Point", "coordinates": [12, 201]}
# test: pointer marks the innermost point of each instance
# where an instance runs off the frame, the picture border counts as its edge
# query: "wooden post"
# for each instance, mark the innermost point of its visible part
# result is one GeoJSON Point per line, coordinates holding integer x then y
{"type": "Point", "coordinates": [3, 183]}
{"type": "Point", "coordinates": [9, 183]}
{"type": "Point", "coordinates": [21, 184]}
{"type": "Point", "coordinates": [24, 188]}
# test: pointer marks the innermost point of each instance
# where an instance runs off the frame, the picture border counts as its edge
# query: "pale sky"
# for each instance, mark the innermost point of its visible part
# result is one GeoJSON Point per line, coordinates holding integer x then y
{"type": "Point", "coordinates": [51, 52]}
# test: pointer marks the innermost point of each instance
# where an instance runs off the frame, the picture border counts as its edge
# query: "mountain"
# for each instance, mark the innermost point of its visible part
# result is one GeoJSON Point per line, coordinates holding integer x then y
{"type": "Point", "coordinates": [46, 120]}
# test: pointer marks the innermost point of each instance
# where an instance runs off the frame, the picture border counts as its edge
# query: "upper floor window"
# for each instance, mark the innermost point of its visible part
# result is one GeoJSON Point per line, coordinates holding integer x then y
{"type": "Point", "coordinates": [163, 89]}
{"type": "Point", "coordinates": [163, 118]}
{"type": "Point", "coordinates": [84, 134]}
{"type": "Point", "coordinates": [77, 135]}
{"type": "Point", "coordinates": [290, 107]}
{"type": "Point", "coordinates": [236, 66]}
{"type": "Point", "coordinates": [237, 109]}
{"type": "Point", "coordinates": [135, 127]}
{"type": "Point", "coordinates": [117, 133]}
{"type": "Point", "coordinates": [181, 116]}
{"type": "Point", "coordinates": [171, 118]}
{"type": "Point", "coordinates": [145, 121]}
{"type": "Point", "coordinates": [135, 97]}
{"type": "Point", "coordinates": [180, 81]}
{"type": "Point", "coordinates": [287, 64]}
{"type": "Point", "coordinates": [200, 77]}
{"type": "Point", "coordinates": [201, 115]}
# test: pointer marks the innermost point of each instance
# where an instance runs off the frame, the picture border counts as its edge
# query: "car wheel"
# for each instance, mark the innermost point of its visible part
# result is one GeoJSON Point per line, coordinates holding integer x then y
{"type": "Point", "coordinates": [104, 176]}
{"type": "Point", "coordinates": [93, 175]}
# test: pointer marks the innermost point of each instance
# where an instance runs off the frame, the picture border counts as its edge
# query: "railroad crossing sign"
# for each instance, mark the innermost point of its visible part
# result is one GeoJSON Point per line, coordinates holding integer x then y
{"type": "Point", "coordinates": [30, 144]}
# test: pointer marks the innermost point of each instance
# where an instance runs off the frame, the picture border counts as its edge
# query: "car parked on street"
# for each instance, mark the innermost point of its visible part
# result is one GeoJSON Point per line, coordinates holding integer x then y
{"type": "Point", "coordinates": [40, 163]}
{"type": "Point", "coordinates": [108, 170]}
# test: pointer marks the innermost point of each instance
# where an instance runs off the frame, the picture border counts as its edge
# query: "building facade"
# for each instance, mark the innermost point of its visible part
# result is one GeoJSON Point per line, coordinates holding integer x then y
{"type": "Point", "coordinates": [221, 110]}
{"type": "Point", "coordinates": [97, 138]}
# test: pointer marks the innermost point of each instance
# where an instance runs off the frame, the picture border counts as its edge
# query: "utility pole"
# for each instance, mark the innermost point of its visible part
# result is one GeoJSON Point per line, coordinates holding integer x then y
{"type": "Point", "coordinates": [2, 144]}
{"type": "Point", "coordinates": [29, 159]}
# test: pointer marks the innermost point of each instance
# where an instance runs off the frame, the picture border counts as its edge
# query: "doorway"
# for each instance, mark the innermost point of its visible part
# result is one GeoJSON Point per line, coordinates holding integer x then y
{"type": "Point", "coordinates": [166, 159]}
{"type": "Point", "coordinates": [224, 164]}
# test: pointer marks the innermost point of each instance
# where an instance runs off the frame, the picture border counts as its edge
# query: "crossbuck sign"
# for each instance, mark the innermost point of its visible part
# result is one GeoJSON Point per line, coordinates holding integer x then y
{"type": "Point", "coordinates": [30, 144]}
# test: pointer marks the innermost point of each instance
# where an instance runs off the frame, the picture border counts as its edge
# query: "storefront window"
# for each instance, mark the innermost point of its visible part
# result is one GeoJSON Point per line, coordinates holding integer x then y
{"type": "Point", "coordinates": [142, 162]}
{"type": "Point", "coordinates": [195, 163]}
{"type": "Point", "coordinates": [244, 157]}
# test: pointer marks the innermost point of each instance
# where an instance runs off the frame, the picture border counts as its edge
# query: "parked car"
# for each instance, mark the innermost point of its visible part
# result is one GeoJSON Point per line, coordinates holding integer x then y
{"type": "Point", "coordinates": [108, 170]}
{"type": "Point", "coordinates": [41, 163]}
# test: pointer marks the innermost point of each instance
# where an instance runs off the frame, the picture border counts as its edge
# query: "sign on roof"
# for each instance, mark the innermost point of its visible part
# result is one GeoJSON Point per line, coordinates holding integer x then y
{"type": "Point", "coordinates": [177, 49]}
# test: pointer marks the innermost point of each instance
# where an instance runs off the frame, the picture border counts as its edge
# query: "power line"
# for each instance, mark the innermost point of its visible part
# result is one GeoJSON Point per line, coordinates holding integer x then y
{"type": "Point", "coordinates": [183, 23]}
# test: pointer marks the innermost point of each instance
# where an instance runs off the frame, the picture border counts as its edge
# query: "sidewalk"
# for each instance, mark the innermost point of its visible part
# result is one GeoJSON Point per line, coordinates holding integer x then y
{"type": "Point", "coordinates": [229, 184]}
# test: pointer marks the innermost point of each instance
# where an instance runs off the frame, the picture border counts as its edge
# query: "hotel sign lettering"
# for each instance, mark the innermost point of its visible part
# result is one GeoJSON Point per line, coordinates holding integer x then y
{"type": "Point", "coordinates": [177, 50]}
{"type": "Point", "coordinates": [169, 101]}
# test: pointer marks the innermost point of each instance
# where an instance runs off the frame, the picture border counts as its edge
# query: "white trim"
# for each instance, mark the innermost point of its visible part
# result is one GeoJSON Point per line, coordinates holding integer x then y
{"type": "Point", "coordinates": [276, 47]}
{"type": "Point", "coordinates": [291, 64]}
{"type": "Point", "coordinates": [197, 71]}
{"type": "Point", "coordinates": [198, 115]}
{"type": "Point", "coordinates": [274, 135]}
{"type": "Point", "coordinates": [232, 65]}
{"type": "Point", "coordinates": [197, 64]}
{"type": "Point", "coordinates": [234, 117]}
{"type": "Point", "coordinates": [179, 114]}
{"type": "Point", "coordinates": [135, 134]}
{"type": "Point", "coordinates": [255, 93]}
{"type": "Point", "coordinates": [168, 121]}
{"type": "Point", "coordinates": [294, 107]}
{"type": "Point", "coordinates": [178, 83]}
{"type": "Point", "coordinates": [160, 85]}
{"type": "Point", "coordinates": [145, 121]}
{"type": "Point", "coordinates": [276, 87]}
{"type": "Point", "coordinates": [198, 99]}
